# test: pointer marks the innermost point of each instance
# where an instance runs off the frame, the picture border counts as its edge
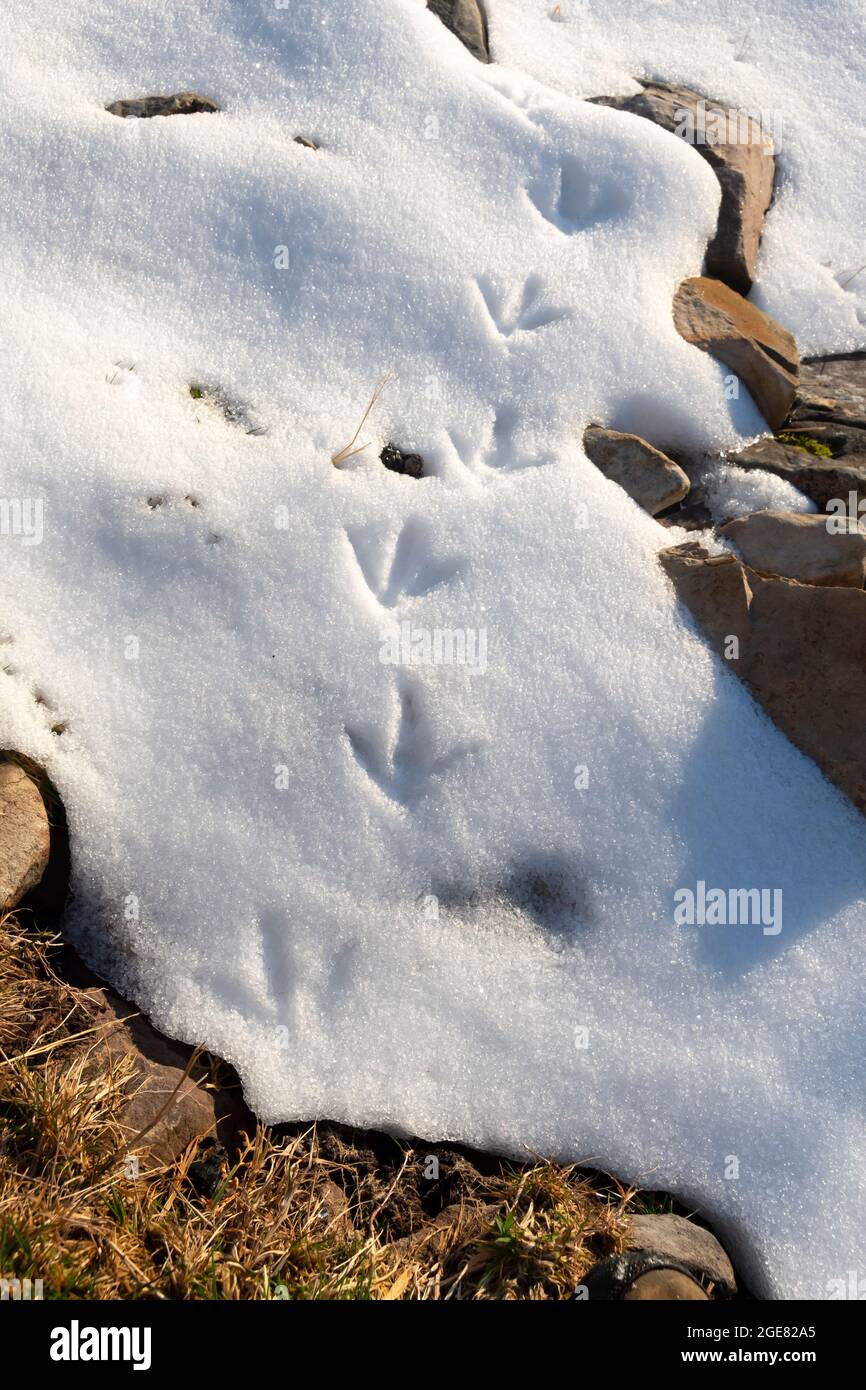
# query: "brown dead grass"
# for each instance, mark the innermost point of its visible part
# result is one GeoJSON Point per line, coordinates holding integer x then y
{"type": "Point", "coordinates": [299, 1212]}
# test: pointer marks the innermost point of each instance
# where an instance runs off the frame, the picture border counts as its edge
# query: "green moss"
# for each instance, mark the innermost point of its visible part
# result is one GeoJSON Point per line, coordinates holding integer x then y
{"type": "Point", "coordinates": [196, 392]}
{"type": "Point", "coordinates": [804, 442]}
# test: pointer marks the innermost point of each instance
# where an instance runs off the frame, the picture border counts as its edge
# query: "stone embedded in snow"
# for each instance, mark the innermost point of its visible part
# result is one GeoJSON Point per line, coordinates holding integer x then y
{"type": "Point", "coordinates": [646, 474]}
{"type": "Point", "coordinates": [802, 546]}
{"type": "Point", "coordinates": [177, 1110]}
{"type": "Point", "coordinates": [742, 158]}
{"type": "Point", "coordinates": [465, 18]}
{"type": "Point", "coordinates": [714, 589]}
{"type": "Point", "coordinates": [825, 480]}
{"type": "Point", "coordinates": [801, 648]}
{"type": "Point", "coordinates": [178, 104]}
{"type": "Point", "coordinates": [761, 352]}
{"type": "Point", "coordinates": [24, 835]}
{"type": "Point", "coordinates": [307, 143]}
{"type": "Point", "coordinates": [682, 1240]}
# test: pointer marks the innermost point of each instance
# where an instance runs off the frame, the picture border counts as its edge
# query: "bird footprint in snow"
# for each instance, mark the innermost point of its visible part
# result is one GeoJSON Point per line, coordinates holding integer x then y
{"type": "Point", "coordinates": [497, 451]}
{"type": "Point", "coordinates": [572, 197]}
{"type": "Point", "coordinates": [401, 567]}
{"type": "Point", "coordinates": [518, 312]}
{"type": "Point", "coordinates": [402, 772]}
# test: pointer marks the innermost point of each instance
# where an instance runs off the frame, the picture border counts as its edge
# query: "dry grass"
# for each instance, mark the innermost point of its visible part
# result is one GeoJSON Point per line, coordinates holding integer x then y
{"type": "Point", "coordinates": [299, 1213]}
{"type": "Point", "coordinates": [349, 450]}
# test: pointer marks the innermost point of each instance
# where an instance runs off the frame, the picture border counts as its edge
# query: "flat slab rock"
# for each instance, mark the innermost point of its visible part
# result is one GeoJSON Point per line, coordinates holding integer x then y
{"type": "Point", "coordinates": [646, 474]}
{"type": "Point", "coordinates": [833, 389]}
{"type": "Point", "coordinates": [801, 651]}
{"type": "Point", "coordinates": [830, 411]}
{"type": "Point", "coordinates": [824, 480]}
{"type": "Point", "coordinates": [177, 104]}
{"type": "Point", "coordinates": [25, 837]}
{"type": "Point", "coordinates": [800, 545]}
{"type": "Point", "coordinates": [465, 19]}
{"type": "Point", "coordinates": [762, 353]}
{"type": "Point", "coordinates": [742, 157]}
{"type": "Point", "coordinates": [682, 1240]}
{"type": "Point", "coordinates": [178, 1110]}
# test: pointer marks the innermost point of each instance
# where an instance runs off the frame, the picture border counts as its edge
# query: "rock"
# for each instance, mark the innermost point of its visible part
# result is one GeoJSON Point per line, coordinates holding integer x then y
{"type": "Point", "coordinates": [639, 1275]}
{"type": "Point", "coordinates": [649, 476]}
{"type": "Point", "coordinates": [205, 1172]}
{"type": "Point", "coordinates": [178, 104]}
{"type": "Point", "coordinates": [693, 515]}
{"type": "Point", "coordinates": [714, 589]}
{"type": "Point", "coordinates": [307, 143]}
{"type": "Point", "coordinates": [398, 462]}
{"type": "Point", "coordinates": [665, 1284]}
{"type": "Point", "coordinates": [742, 157]}
{"type": "Point", "coordinates": [466, 19]}
{"type": "Point", "coordinates": [761, 352]}
{"type": "Point", "coordinates": [461, 1221]}
{"type": "Point", "coordinates": [334, 1211]}
{"type": "Point", "coordinates": [800, 545]}
{"type": "Point", "coordinates": [824, 480]}
{"type": "Point", "coordinates": [822, 450]}
{"type": "Point", "coordinates": [192, 1112]}
{"type": "Point", "coordinates": [25, 837]}
{"type": "Point", "coordinates": [687, 1243]}
{"type": "Point", "coordinates": [833, 388]}
{"type": "Point", "coordinates": [802, 651]}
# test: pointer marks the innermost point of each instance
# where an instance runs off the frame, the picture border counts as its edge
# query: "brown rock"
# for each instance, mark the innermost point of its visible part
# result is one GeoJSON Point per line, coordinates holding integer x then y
{"type": "Point", "coordinates": [741, 156]}
{"type": "Point", "coordinates": [713, 588]}
{"type": "Point", "coordinates": [719, 321]}
{"type": "Point", "coordinates": [802, 651]}
{"type": "Point", "coordinates": [833, 388]}
{"type": "Point", "coordinates": [665, 1284]}
{"type": "Point", "coordinates": [174, 1111]}
{"type": "Point", "coordinates": [693, 515]}
{"type": "Point", "coordinates": [25, 838]}
{"type": "Point", "coordinates": [334, 1212]}
{"type": "Point", "coordinates": [178, 104]}
{"type": "Point", "coordinates": [465, 18]}
{"type": "Point", "coordinates": [823, 479]}
{"type": "Point", "coordinates": [649, 476]}
{"type": "Point", "coordinates": [687, 1243]}
{"type": "Point", "coordinates": [798, 545]}
{"type": "Point", "coordinates": [823, 449]}
{"type": "Point", "coordinates": [461, 1221]}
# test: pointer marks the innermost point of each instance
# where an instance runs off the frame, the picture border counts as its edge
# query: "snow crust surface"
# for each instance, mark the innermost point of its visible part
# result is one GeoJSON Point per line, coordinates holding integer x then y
{"type": "Point", "coordinates": [395, 889]}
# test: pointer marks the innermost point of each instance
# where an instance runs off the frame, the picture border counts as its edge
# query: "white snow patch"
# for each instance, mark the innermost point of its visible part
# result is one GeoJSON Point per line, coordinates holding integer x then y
{"type": "Point", "coordinates": [730, 491]}
{"type": "Point", "coordinates": [263, 811]}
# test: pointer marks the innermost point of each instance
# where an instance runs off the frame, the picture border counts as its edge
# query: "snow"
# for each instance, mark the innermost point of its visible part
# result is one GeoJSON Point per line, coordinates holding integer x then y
{"type": "Point", "coordinates": [730, 491]}
{"type": "Point", "coordinates": [436, 897]}
{"type": "Point", "coordinates": [798, 68]}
